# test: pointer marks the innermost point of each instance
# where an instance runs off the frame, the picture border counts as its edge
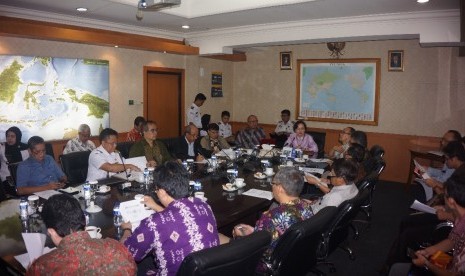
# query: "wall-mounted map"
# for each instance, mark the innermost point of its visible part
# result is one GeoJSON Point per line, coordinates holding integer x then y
{"type": "Point", "coordinates": [51, 97]}
{"type": "Point", "coordinates": [339, 90]}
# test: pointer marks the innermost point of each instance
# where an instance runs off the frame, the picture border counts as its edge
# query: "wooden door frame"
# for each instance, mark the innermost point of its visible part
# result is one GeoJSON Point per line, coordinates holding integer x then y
{"type": "Point", "coordinates": [164, 70]}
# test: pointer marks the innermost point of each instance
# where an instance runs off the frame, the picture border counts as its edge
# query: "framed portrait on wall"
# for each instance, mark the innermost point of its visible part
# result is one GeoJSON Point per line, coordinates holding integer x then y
{"type": "Point", "coordinates": [396, 60]}
{"type": "Point", "coordinates": [285, 60]}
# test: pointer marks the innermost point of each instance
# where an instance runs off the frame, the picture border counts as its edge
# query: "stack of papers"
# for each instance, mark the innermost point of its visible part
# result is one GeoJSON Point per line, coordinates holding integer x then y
{"type": "Point", "coordinates": [134, 212]}
{"type": "Point", "coordinates": [416, 205]}
{"type": "Point", "coordinates": [311, 170]}
{"type": "Point", "coordinates": [35, 248]}
{"type": "Point", "coordinates": [259, 193]}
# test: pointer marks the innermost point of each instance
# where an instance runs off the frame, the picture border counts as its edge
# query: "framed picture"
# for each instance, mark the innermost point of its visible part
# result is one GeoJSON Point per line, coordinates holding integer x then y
{"type": "Point", "coordinates": [396, 60]}
{"type": "Point", "coordinates": [285, 60]}
{"type": "Point", "coordinates": [339, 91]}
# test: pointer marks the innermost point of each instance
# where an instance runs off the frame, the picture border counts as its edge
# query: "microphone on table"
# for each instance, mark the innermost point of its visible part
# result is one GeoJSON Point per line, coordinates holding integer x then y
{"type": "Point", "coordinates": [124, 165]}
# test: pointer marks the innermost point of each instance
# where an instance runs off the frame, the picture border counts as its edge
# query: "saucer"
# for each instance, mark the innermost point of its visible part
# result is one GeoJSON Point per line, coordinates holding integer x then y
{"type": "Point", "coordinates": [268, 175]}
{"type": "Point", "coordinates": [103, 192]}
{"type": "Point", "coordinates": [232, 189]}
{"type": "Point", "coordinates": [299, 160]}
{"type": "Point", "coordinates": [259, 175]}
{"type": "Point", "coordinates": [93, 209]}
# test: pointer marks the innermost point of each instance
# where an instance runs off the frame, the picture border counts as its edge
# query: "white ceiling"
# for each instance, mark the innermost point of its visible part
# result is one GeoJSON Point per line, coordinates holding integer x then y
{"type": "Point", "coordinates": [219, 26]}
{"type": "Point", "coordinates": [204, 15]}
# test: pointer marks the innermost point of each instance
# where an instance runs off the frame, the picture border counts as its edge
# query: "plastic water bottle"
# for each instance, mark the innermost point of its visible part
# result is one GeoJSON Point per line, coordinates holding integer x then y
{"type": "Point", "coordinates": [151, 172]}
{"type": "Point", "coordinates": [23, 206]}
{"type": "Point", "coordinates": [117, 218]}
{"type": "Point", "coordinates": [146, 176]}
{"type": "Point", "coordinates": [86, 215]}
{"type": "Point", "coordinates": [86, 192]}
{"type": "Point", "coordinates": [214, 161]}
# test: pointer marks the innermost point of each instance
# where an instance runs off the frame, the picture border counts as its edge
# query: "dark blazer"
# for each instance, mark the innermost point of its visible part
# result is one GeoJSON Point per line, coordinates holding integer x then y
{"type": "Point", "coordinates": [180, 148]}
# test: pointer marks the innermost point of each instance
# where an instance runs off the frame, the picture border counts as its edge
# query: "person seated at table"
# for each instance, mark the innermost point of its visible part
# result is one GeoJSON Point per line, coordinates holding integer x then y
{"type": "Point", "coordinates": [225, 127]}
{"type": "Point", "coordinates": [359, 137]}
{"type": "Point", "coordinates": [187, 146]}
{"type": "Point", "coordinates": [135, 134]}
{"type": "Point", "coordinates": [212, 142]}
{"type": "Point", "coordinates": [301, 140]}
{"type": "Point", "coordinates": [344, 140]}
{"type": "Point", "coordinates": [39, 172]}
{"type": "Point", "coordinates": [12, 151]}
{"type": "Point", "coordinates": [283, 129]}
{"type": "Point", "coordinates": [179, 226]}
{"type": "Point", "coordinates": [81, 142]}
{"type": "Point", "coordinates": [104, 161]}
{"type": "Point", "coordinates": [455, 202]}
{"type": "Point", "coordinates": [77, 253]}
{"type": "Point", "coordinates": [287, 185]}
{"type": "Point", "coordinates": [155, 151]}
{"type": "Point", "coordinates": [357, 153]}
{"type": "Point", "coordinates": [205, 123]}
{"type": "Point", "coordinates": [250, 136]}
{"type": "Point", "coordinates": [341, 188]}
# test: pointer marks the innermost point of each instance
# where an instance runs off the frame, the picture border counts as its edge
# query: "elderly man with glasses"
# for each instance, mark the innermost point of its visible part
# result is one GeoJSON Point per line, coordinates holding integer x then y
{"type": "Point", "coordinates": [344, 139]}
{"type": "Point", "coordinates": [187, 146]}
{"type": "Point", "coordinates": [251, 135]}
{"type": "Point", "coordinates": [39, 172]}
{"type": "Point", "coordinates": [155, 151]}
{"type": "Point", "coordinates": [81, 142]}
{"type": "Point", "coordinates": [104, 161]}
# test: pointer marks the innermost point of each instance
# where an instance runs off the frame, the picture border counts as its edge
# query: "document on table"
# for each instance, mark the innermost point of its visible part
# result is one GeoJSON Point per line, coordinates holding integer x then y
{"type": "Point", "coordinates": [259, 193]}
{"type": "Point", "coordinates": [35, 248]}
{"type": "Point", "coordinates": [311, 170]}
{"type": "Point", "coordinates": [416, 205]}
{"type": "Point", "coordinates": [46, 194]}
{"type": "Point", "coordinates": [320, 160]}
{"type": "Point", "coordinates": [134, 211]}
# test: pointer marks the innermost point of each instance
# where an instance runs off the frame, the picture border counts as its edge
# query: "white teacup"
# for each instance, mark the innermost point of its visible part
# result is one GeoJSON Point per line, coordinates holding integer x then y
{"type": "Point", "coordinates": [305, 156]}
{"type": "Point", "coordinates": [249, 151]}
{"type": "Point", "coordinates": [139, 197]}
{"type": "Point", "coordinates": [104, 189]}
{"type": "Point", "coordinates": [200, 195]}
{"type": "Point", "coordinates": [93, 231]}
{"type": "Point", "coordinates": [269, 171]}
{"type": "Point", "coordinates": [239, 182]}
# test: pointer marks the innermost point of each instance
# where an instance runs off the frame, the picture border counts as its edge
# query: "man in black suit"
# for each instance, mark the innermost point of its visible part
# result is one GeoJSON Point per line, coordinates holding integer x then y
{"type": "Point", "coordinates": [188, 146]}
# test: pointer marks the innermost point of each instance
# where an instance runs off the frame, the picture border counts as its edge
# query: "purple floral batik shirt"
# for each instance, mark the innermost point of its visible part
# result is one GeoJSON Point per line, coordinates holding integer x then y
{"type": "Point", "coordinates": [186, 225]}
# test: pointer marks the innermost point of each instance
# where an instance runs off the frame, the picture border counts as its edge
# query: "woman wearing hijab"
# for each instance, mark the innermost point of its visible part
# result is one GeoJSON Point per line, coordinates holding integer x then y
{"type": "Point", "coordinates": [12, 151]}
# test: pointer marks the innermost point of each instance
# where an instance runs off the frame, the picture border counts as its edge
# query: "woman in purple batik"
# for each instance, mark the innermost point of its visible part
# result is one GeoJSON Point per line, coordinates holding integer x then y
{"type": "Point", "coordinates": [301, 140]}
{"type": "Point", "coordinates": [180, 226]}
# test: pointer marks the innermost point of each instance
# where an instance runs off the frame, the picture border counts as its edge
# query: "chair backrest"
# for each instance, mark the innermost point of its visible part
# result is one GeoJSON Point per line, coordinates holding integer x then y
{"type": "Point", "coordinates": [74, 165]}
{"type": "Point", "coordinates": [338, 228]}
{"type": "Point", "coordinates": [239, 257]}
{"type": "Point", "coordinates": [295, 252]}
{"type": "Point", "coordinates": [13, 168]}
{"type": "Point", "coordinates": [49, 150]}
{"type": "Point", "coordinates": [124, 148]}
{"type": "Point", "coordinates": [319, 138]}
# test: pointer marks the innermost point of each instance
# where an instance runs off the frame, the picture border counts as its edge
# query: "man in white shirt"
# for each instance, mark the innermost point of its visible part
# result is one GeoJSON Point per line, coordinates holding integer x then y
{"type": "Point", "coordinates": [344, 174]}
{"type": "Point", "coordinates": [193, 113]}
{"type": "Point", "coordinates": [225, 128]}
{"type": "Point", "coordinates": [344, 139]}
{"type": "Point", "coordinates": [104, 161]}
{"type": "Point", "coordinates": [80, 143]}
{"type": "Point", "coordinates": [283, 129]}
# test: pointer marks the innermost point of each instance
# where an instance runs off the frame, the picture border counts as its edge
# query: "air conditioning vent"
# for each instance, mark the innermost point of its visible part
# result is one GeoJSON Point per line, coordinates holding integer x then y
{"type": "Point", "coordinates": [154, 5]}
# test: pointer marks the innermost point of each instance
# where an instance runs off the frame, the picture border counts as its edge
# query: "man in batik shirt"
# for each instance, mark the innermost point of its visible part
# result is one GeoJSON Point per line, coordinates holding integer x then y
{"type": "Point", "coordinates": [251, 135]}
{"type": "Point", "coordinates": [77, 253]}
{"type": "Point", "coordinates": [135, 134]}
{"type": "Point", "coordinates": [80, 143]}
{"type": "Point", "coordinates": [286, 187]}
{"type": "Point", "coordinates": [179, 226]}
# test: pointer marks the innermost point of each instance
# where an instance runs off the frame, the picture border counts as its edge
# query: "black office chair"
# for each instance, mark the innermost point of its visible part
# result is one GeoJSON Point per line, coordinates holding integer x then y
{"type": "Point", "coordinates": [13, 168]}
{"type": "Point", "coordinates": [239, 257]}
{"type": "Point", "coordinates": [74, 165]}
{"type": "Point", "coordinates": [49, 150]}
{"type": "Point", "coordinates": [367, 183]}
{"type": "Point", "coordinates": [124, 148]}
{"type": "Point", "coordinates": [335, 235]}
{"type": "Point", "coordinates": [295, 252]}
{"type": "Point", "coordinates": [319, 138]}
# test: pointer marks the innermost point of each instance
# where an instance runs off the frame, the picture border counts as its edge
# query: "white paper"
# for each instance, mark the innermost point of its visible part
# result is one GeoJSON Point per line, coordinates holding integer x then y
{"type": "Point", "coordinates": [317, 179]}
{"type": "Point", "coordinates": [320, 160]}
{"type": "Point", "coordinates": [416, 205]}
{"type": "Point", "coordinates": [436, 152]}
{"type": "Point", "coordinates": [422, 169]}
{"type": "Point", "coordinates": [428, 190]}
{"type": "Point", "coordinates": [134, 211]}
{"type": "Point", "coordinates": [311, 170]}
{"type": "Point", "coordinates": [24, 259]}
{"type": "Point", "coordinates": [34, 244]}
{"type": "Point", "coordinates": [259, 193]}
{"type": "Point", "coordinates": [46, 194]}
{"type": "Point", "coordinates": [140, 162]}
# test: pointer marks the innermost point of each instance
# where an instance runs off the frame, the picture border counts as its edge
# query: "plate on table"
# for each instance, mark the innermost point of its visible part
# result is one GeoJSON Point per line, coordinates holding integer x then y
{"type": "Point", "coordinates": [228, 187]}
{"type": "Point", "coordinates": [259, 175]}
{"type": "Point", "coordinates": [299, 160]}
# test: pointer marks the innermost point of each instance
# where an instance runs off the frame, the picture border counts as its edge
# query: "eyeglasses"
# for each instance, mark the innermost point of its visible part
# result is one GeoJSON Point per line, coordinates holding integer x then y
{"type": "Point", "coordinates": [37, 152]}
{"type": "Point", "coordinates": [111, 144]}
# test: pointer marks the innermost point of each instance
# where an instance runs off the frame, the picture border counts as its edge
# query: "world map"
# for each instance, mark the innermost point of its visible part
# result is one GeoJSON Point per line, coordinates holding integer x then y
{"type": "Point", "coordinates": [51, 97]}
{"type": "Point", "coordinates": [338, 91]}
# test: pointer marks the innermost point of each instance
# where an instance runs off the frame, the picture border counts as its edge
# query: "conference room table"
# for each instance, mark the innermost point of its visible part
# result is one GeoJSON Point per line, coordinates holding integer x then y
{"type": "Point", "coordinates": [229, 207]}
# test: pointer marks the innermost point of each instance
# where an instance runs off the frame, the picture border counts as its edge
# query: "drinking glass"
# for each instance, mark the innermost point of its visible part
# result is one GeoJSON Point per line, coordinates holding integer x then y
{"type": "Point", "coordinates": [231, 174]}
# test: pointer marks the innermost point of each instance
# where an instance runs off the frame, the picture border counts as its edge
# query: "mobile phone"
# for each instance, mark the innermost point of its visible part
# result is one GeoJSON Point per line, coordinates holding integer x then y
{"type": "Point", "coordinates": [411, 253]}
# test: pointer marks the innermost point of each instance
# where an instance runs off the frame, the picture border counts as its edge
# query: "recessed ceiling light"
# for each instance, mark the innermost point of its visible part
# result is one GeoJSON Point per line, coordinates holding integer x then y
{"type": "Point", "coordinates": [81, 9]}
{"type": "Point", "coordinates": [422, 1]}
{"type": "Point", "coordinates": [116, 46]}
{"type": "Point", "coordinates": [185, 26]}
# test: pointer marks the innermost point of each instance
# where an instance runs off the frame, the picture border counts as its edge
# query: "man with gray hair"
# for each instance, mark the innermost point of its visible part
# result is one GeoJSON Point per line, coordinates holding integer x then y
{"type": "Point", "coordinates": [81, 142]}
{"type": "Point", "coordinates": [188, 145]}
